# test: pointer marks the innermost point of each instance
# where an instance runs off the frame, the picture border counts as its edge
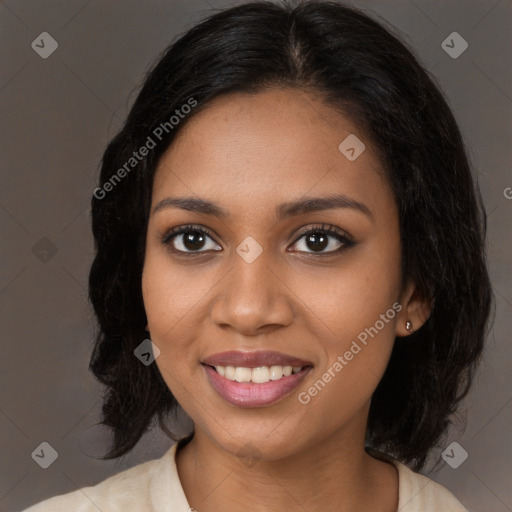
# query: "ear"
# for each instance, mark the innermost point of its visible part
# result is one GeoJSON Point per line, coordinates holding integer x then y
{"type": "Point", "coordinates": [415, 309]}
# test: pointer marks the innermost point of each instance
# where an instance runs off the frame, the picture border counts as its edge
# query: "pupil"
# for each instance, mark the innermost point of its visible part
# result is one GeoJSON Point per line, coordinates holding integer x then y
{"type": "Point", "coordinates": [314, 243]}
{"type": "Point", "coordinates": [191, 240]}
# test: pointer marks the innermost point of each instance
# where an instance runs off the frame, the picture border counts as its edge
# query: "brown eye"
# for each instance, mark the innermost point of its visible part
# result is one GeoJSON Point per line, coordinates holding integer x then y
{"type": "Point", "coordinates": [318, 239]}
{"type": "Point", "coordinates": [189, 239]}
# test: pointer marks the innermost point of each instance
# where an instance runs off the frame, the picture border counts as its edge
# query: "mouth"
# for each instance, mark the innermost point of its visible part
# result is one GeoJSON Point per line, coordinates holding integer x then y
{"type": "Point", "coordinates": [254, 379]}
{"type": "Point", "coordinates": [259, 374]}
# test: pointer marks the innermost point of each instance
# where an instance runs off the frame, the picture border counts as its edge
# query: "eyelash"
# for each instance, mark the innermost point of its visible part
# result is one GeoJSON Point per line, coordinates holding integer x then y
{"type": "Point", "coordinates": [324, 229]}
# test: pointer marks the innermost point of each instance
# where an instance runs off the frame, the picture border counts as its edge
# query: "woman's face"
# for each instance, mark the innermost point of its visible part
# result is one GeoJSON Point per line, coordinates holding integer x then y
{"type": "Point", "coordinates": [258, 282]}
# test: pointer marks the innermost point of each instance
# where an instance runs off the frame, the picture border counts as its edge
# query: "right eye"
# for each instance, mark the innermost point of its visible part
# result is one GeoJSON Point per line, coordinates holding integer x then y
{"type": "Point", "coordinates": [189, 239]}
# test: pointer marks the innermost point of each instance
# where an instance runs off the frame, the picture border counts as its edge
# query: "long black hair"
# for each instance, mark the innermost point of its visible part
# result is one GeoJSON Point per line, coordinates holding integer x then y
{"type": "Point", "coordinates": [357, 66]}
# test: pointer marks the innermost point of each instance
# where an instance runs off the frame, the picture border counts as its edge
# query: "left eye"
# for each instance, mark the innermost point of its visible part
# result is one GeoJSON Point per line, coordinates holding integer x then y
{"type": "Point", "coordinates": [322, 241]}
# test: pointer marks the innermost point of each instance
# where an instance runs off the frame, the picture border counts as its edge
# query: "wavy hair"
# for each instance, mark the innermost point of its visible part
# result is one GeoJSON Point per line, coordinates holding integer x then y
{"type": "Point", "coordinates": [360, 68]}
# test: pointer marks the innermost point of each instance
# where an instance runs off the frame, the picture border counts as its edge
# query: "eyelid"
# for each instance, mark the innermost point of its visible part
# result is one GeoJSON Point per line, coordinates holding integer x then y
{"type": "Point", "coordinates": [328, 229]}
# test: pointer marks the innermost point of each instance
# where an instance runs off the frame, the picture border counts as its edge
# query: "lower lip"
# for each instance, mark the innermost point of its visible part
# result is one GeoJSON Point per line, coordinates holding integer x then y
{"type": "Point", "coordinates": [249, 394]}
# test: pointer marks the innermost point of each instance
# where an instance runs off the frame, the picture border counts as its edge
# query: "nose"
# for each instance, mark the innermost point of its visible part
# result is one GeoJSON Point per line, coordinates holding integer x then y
{"type": "Point", "coordinates": [253, 298]}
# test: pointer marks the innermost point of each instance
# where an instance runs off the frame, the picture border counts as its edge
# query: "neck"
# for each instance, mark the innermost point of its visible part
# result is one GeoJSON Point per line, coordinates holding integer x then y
{"type": "Point", "coordinates": [334, 474]}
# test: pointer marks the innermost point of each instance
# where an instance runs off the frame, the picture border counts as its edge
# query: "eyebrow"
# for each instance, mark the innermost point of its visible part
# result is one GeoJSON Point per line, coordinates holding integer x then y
{"type": "Point", "coordinates": [284, 210]}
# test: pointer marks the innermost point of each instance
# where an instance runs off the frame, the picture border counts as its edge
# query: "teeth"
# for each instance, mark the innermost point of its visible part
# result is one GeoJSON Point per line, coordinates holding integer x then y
{"type": "Point", "coordinates": [276, 372]}
{"type": "Point", "coordinates": [243, 374]}
{"type": "Point", "coordinates": [258, 375]}
{"type": "Point", "coordinates": [261, 374]}
{"type": "Point", "coordinates": [230, 372]}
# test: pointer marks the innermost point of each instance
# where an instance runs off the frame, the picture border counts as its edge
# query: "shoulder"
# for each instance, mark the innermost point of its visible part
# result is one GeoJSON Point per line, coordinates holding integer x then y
{"type": "Point", "coordinates": [142, 487]}
{"type": "Point", "coordinates": [418, 493]}
{"type": "Point", "coordinates": [118, 492]}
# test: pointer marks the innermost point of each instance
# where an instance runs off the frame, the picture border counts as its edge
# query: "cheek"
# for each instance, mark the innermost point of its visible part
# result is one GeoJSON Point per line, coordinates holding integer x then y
{"type": "Point", "coordinates": [170, 296]}
{"type": "Point", "coordinates": [353, 313]}
{"type": "Point", "coordinates": [352, 295]}
{"type": "Point", "coordinates": [169, 299]}
{"type": "Point", "coordinates": [170, 293]}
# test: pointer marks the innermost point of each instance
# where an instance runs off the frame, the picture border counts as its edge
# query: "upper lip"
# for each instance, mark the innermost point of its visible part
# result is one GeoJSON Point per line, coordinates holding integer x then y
{"type": "Point", "coordinates": [254, 359]}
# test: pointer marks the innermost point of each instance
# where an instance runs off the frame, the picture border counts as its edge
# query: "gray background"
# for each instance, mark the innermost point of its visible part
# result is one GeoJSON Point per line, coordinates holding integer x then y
{"type": "Point", "coordinates": [57, 115]}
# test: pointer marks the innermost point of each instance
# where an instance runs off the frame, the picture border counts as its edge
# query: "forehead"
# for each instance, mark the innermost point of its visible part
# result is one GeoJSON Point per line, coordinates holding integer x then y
{"type": "Point", "coordinates": [274, 144]}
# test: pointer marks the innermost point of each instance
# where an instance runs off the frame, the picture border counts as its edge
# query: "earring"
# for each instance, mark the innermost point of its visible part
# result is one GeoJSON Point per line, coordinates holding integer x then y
{"type": "Point", "coordinates": [408, 326]}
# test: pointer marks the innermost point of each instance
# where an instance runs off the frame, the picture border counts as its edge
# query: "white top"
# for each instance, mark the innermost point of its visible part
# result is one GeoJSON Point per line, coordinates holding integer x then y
{"type": "Point", "coordinates": [154, 486]}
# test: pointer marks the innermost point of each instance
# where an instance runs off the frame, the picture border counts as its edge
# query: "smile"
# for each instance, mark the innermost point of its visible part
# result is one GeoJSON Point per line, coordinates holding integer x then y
{"type": "Point", "coordinates": [257, 375]}
{"type": "Point", "coordinates": [254, 379]}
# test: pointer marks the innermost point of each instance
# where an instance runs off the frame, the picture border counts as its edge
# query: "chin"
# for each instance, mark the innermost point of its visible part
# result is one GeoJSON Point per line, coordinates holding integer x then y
{"type": "Point", "coordinates": [258, 439]}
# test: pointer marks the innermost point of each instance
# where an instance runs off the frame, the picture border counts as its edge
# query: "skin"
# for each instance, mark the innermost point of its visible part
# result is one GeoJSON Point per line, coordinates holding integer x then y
{"type": "Point", "coordinates": [248, 154]}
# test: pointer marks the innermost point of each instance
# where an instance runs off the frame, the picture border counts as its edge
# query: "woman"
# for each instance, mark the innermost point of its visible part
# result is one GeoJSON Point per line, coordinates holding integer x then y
{"type": "Point", "coordinates": [288, 214]}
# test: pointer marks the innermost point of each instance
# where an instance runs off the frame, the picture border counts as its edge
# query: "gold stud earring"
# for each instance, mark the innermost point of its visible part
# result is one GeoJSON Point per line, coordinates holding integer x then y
{"type": "Point", "coordinates": [408, 326]}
